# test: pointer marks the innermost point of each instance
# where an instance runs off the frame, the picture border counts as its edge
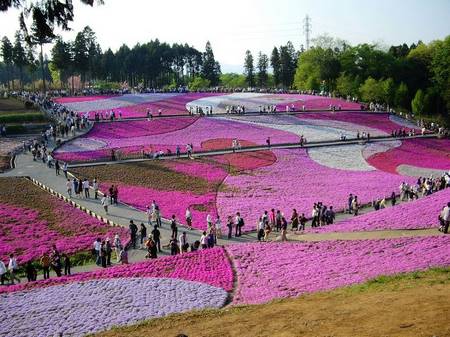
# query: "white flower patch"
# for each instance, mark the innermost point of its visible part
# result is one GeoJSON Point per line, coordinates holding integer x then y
{"type": "Point", "coordinates": [251, 101]}
{"type": "Point", "coordinates": [116, 102]}
{"type": "Point", "coordinates": [77, 309]}
{"type": "Point", "coordinates": [402, 122]}
{"type": "Point", "coordinates": [83, 144]}
{"type": "Point", "coordinates": [379, 147]}
{"type": "Point", "coordinates": [414, 171]}
{"type": "Point", "coordinates": [296, 126]}
{"type": "Point", "coordinates": [347, 157]}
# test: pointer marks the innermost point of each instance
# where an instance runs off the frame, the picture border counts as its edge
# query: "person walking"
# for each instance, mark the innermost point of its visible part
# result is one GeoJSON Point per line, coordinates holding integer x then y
{"type": "Point", "coordinates": [260, 229]}
{"type": "Point", "coordinates": [133, 233]}
{"type": "Point", "coordinates": [355, 206]}
{"type": "Point", "coordinates": [143, 234]}
{"type": "Point", "coordinates": [45, 264]}
{"type": "Point", "coordinates": [294, 219]}
{"type": "Point", "coordinates": [3, 273]}
{"type": "Point", "coordinates": [30, 272]}
{"type": "Point", "coordinates": [302, 222]}
{"type": "Point", "coordinates": [13, 268]}
{"type": "Point", "coordinates": [69, 185]}
{"type": "Point", "coordinates": [239, 224]}
{"type": "Point", "coordinates": [65, 169]}
{"type": "Point", "coordinates": [230, 226]}
{"type": "Point", "coordinates": [57, 167]}
{"type": "Point", "coordinates": [184, 245]}
{"type": "Point", "coordinates": [67, 264]}
{"type": "Point", "coordinates": [174, 227]}
{"type": "Point", "coordinates": [218, 227]}
{"type": "Point", "coordinates": [95, 188]}
{"type": "Point", "coordinates": [86, 188]}
{"type": "Point", "coordinates": [104, 201]}
{"type": "Point", "coordinates": [117, 247]}
{"type": "Point", "coordinates": [108, 250]}
{"type": "Point", "coordinates": [284, 225]}
{"type": "Point", "coordinates": [56, 261]}
{"type": "Point", "coordinates": [204, 240]}
{"type": "Point", "coordinates": [97, 247]}
{"type": "Point", "coordinates": [446, 217]}
{"type": "Point", "coordinates": [189, 218]}
{"type": "Point", "coordinates": [156, 234]}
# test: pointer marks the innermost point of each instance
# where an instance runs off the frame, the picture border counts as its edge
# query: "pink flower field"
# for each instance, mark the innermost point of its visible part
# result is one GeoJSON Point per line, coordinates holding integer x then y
{"type": "Point", "coordinates": [25, 234]}
{"type": "Point", "coordinates": [278, 270]}
{"type": "Point", "coordinates": [76, 99]}
{"type": "Point", "coordinates": [209, 266]}
{"type": "Point", "coordinates": [426, 153]}
{"type": "Point", "coordinates": [318, 103]}
{"type": "Point", "coordinates": [416, 214]}
{"type": "Point", "coordinates": [137, 135]}
{"type": "Point", "coordinates": [296, 181]}
{"type": "Point", "coordinates": [380, 121]}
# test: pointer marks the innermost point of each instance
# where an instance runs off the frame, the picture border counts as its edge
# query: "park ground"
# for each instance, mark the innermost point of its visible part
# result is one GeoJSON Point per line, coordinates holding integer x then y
{"type": "Point", "coordinates": [406, 305]}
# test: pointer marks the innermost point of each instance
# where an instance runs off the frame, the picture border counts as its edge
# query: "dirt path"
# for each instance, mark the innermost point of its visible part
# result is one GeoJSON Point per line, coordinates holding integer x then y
{"type": "Point", "coordinates": [406, 306]}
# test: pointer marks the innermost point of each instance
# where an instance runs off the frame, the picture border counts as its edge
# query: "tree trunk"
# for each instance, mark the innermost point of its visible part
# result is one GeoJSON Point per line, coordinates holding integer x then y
{"type": "Point", "coordinates": [42, 70]}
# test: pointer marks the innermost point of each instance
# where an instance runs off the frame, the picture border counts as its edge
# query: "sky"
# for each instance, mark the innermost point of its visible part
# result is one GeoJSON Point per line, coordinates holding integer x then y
{"type": "Point", "coordinates": [233, 26]}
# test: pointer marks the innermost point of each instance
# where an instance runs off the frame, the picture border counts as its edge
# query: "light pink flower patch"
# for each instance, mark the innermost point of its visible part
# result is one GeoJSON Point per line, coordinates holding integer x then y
{"type": "Point", "coordinates": [268, 271]}
{"type": "Point", "coordinates": [75, 99]}
{"type": "Point", "coordinates": [208, 266]}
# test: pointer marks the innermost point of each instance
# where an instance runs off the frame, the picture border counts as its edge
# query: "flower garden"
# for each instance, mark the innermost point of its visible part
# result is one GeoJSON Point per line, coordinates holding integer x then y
{"type": "Point", "coordinates": [204, 279]}
{"type": "Point", "coordinates": [137, 105]}
{"type": "Point", "coordinates": [238, 273]}
{"type": "Point", "coordinates": [32, 221]}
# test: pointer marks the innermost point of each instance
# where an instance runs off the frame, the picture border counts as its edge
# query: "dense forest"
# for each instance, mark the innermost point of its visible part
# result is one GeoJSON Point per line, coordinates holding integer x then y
{"type": "Point", "coordinates": [413, 78]}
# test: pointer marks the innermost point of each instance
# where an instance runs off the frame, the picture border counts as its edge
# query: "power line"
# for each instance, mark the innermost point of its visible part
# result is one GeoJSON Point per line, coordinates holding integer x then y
{"type": "Point", "coordinates": [307, 30]}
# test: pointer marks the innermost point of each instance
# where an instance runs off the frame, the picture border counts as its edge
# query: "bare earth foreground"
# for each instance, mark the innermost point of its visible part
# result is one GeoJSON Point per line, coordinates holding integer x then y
{"type": "Point", "coordinates": [413, 305]}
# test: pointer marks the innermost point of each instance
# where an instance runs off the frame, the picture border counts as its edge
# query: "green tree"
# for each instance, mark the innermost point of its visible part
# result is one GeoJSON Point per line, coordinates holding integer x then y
{"type": "Point", "coordinates": [263, 64]}
{"type": "Point", "coordinates": [389, 88]}
{"type": "Point", "coordinates": [19, 56]}
{"type": "Point", "coordinates": [7, 55]}
{"type": "Point", "coordinates": [210, 68]}
{"type": "Point", "coordinates": [346, 85]}
{"type": "Point", "coordinates": [275, 64]}
{"type": "Point", "coordinates": [249, 69]}
{"type": "Point", "coordinates": [62, 59]}
{"type": "Point", "coordinates": [288, 60]}
{"type": "Point", "coordinates": [402, 96]}
{"type": "Point", "coordinates": [418, 103]}
{"type": "Point", "coordinates": [198, 83]}
{"type": "Point", "coordinates": [372, 90]}
{"type": "Point", "coordinates": [232, 80]}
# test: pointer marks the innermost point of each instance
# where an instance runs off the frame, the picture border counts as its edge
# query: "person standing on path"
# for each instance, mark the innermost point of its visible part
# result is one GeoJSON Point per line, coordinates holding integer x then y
{"type": "Point", "coordinates": [355, 206]}
{"type": "Point", "coordinates": [65, 168]}
{"type": "Point", "coordinates": [239, 224]}
{"type": "Point", "coordinates": [184, 245]}
{"type": "Point", "coordinates": [133, 233]}
{"type": "Point", "coordinates": [143, 234]}
{"type": "Point", "coordinates": [268, 142]}
{"type": "Point", "coordinates": [230, 226]}
{"type": "Point", "coordinates": [204, 240]}
{"type": "Point", "coordinates": [105, 203]}
{"type": "Point", "coordinates": [117, 247]}
{"type": "Point", "coordinates": [284, 225]}
{"type": "Point", "coordinates": [189, 218]}
{"type": "Point", "coordinates": [108, 250]}
{"type": "Point", "coordinates": [57, 167]}
{"type": "Point", "coordinates": [69, 185]}
{"type": "Point", "coordinates": [174, 227]}
{"type": "Point", "coordinates": [67, 264]}
{"type": "Point", "coordinates": [3, 272]}
{"type": "Point", "coordinates": [95, 187]}
{"type": "Point", "coordinates": [218, 227]}
{"type": "Point", "coordinates": [157, 237]}
{"type": "Point", "coordinates": [97, 248]}
{"type": "Point", "coordinates": [86, 188]}
{"type": "Point", "coordinates": [446, 217]}
{"type": "Point", "coordinates": [45, 263]}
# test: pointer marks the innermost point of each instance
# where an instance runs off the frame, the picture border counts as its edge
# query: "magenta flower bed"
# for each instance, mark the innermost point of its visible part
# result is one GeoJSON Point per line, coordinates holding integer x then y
{"type": "Point", "coordinates": [175, 105]}
{"type": "Point", "coordinates": [76, 99]}
{"type": "Point", "coordinates": [380, 121]}
{"type": "Point", "coordinates": [427, 153]}
{"type": "Point", "coordinates": [317, 102]}
{"type": "Point", "coordinates": [99, 144]}
{"type": "Point", "coordinates": [208, 266]}
{"type": "Point", "coordinates": [278, 270]}
{"type": "Point", "coordinates": [296, 181]}
{"type": "Point", "coordinates": [26, 235]}
{"type": "Point", "coordinates": [422, 213]}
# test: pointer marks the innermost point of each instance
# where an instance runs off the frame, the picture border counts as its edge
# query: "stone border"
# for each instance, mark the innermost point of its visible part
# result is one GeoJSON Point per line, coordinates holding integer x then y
{"type": "Point", "coordinates": [73, 203]}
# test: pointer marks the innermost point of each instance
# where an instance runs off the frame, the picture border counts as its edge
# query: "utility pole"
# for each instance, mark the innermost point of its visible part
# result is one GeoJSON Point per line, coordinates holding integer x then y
{"type": "Point", "coordinates": [307, 30]}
